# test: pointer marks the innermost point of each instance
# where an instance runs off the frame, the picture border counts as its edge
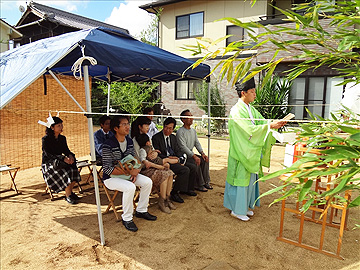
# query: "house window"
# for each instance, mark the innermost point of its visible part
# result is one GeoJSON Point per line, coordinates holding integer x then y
{"type": "Point", "coordinates": [239, 33]}
{"type": "Point", "coordinates": [190, 25]}
{"type": "Point", "coordinates": [319, 94]}
{"type": "Point", "coordinates": [186, 89]}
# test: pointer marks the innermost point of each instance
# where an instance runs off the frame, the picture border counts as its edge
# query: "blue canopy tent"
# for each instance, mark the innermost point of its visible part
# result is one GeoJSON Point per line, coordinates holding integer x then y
{"type": "Point", "coordinates": [119, 57]}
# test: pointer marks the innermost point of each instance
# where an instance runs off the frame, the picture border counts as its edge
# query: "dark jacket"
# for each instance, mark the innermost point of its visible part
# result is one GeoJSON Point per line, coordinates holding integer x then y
{"type": "Point", "coordinates": [99, 139]}
{"type": "Point", "coordinates": [53, 148]}
{"type": "Point", "coordinates": [158, 142]}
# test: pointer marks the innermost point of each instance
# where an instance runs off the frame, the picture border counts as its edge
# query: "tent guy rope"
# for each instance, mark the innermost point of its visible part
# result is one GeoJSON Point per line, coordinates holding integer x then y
{"type": "Point", "coordinates": [76, 68]}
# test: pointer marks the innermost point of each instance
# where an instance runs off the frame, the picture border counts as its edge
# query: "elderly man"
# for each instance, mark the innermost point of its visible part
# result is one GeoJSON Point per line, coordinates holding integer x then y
{"type": "Point", "coordinates": [187, 139]}
{"type": "Point", "coordinates": [166, 143]}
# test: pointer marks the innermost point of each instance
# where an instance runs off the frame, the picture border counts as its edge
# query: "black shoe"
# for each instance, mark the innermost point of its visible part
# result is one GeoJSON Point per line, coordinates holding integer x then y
{"type": "Point", "coordinates": [208, 186]}
{"type": "Point", "coordinates": [70, 200]}
{"type": "Point", "coordinates": [145, 215]}
{"type": "Point", "coordinates": [189, 193]}
{"type": "Point", "coordinates": [130, 225]}
{"type": "Point", "coordinates": [74, 196]}
{"type": "Point", "coordinates": [176, 198]}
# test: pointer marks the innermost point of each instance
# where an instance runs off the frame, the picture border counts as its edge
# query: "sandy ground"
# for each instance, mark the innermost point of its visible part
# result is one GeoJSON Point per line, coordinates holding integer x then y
{"type": "Point", "coordinates": [37, 233]}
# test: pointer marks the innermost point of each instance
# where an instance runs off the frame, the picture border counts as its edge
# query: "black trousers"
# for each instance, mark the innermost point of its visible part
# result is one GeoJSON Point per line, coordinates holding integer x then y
{"type": "Point", "coordinates": [184, 180]}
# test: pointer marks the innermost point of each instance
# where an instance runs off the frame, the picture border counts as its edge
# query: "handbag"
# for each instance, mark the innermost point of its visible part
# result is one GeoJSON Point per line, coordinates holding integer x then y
{"type": "Point", "coordinates": [125, 165]}
{"type": "Point", "coordinates": [59, 164]}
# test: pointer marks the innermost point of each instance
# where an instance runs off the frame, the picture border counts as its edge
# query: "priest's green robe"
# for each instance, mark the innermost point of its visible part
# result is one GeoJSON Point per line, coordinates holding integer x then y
{"type": "Point", "coordinates": [250, 149]}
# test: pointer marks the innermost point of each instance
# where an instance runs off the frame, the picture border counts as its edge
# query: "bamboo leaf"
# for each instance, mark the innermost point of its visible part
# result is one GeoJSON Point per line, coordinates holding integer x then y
{"type": "Point", "coordinates": [305, 189]}
{"type": "Point", "coordinates": [349, 129]}
{"type": "Point", "coordinates": [287, 194]}
{"type": "Point", "coordinates": [355, 202]}
{"type": "Point", "coordinates": [307, 205]}
{"type": "Point", "coordinates": [271, 191]}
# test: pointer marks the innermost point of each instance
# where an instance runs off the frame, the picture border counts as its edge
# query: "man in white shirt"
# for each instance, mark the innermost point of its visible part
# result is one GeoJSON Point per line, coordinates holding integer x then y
{"type": "Point", "coordinates": [152, 128]}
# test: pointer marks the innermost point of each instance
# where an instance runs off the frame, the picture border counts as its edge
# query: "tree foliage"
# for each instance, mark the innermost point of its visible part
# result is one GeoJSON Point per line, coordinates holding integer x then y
{"type": "Point", "coordinates": [217, 104]}
{"type": "Point", "coordinates": [98, 101]}
{"type": "Point", "coordinates": [272, 98]}
{"type": "Point", "coordinates": [130, 97]}
{"type": "Point", "coordinates": [150, 34]}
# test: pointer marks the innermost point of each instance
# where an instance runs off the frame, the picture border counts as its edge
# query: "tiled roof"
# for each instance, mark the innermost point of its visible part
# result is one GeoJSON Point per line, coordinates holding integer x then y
{"type": "Point", "coordinates": [67, 18]}
{"type": "Point", "coordinates": [159, 3]}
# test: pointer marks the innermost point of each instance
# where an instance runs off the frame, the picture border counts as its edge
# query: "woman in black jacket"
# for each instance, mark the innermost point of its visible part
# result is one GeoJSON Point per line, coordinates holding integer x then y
{"type": "Point", "coordinates": [58, 162]}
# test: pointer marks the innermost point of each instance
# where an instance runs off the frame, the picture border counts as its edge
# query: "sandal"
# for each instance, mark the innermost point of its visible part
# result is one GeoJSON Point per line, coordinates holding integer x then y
{"type": "Point", "coordinates": [202, 189]}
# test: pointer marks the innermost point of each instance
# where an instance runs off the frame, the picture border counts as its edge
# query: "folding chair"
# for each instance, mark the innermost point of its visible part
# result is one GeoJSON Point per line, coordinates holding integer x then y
{"type": "Point", "coordinates": [49, 191]}
{"type": "Point", "coordinates": [7, 168]}
{"type": "Point", "coordinates": [85, 163]}
{"type": "Point", "coordinates": [112, 199]}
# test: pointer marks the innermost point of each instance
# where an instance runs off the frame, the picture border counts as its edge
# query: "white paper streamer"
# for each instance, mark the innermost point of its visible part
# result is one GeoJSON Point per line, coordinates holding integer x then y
{"type": "Point", "coordinates": [49, 122]}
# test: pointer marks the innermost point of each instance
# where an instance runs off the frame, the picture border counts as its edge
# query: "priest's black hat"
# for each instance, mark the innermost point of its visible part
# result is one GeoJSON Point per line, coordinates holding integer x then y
{"type": "Point", "coordinates": [244, 86]}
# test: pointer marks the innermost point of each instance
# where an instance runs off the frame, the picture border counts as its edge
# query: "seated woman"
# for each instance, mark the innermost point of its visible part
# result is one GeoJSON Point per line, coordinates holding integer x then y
{"type": "Point", "coordinates": [158, 170]}
{"type": "Point", "coordinates": [139, 126]}
{"type": "Point", "coordinates": [58, 162]}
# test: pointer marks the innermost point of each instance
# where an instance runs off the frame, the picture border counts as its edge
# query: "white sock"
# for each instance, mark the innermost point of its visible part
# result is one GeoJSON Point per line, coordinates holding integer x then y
{"type": "Point", "coordinates": [241, 217]}
{"type": "Point", "coordinates": [250, 213]}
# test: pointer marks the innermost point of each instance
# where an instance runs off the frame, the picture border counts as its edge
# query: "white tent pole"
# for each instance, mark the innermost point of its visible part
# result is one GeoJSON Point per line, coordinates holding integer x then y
{"type": "Point", "coordinates": [108, 100]}
{"type": "Point", "coordinates": [92, 149]}
{"type": "Point", "coordinates": [208, 135]}
{"type": "Point", "coordinates": [108, 97]}
{"type": "Point", "coordinates": [63, 87]}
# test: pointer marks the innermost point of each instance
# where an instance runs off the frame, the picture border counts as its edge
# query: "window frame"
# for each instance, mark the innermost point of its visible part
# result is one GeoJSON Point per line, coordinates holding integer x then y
{"type": "Point", "coordinates": [242, 37]}
{"type": "Point", "coordinates": [306, 98]}
{"type": "Point", "coordinates": [227, 33]}
{"type": "Point", "coordinates": [187, 89]}
{"type": "Point", "coordinates": [188, 16]}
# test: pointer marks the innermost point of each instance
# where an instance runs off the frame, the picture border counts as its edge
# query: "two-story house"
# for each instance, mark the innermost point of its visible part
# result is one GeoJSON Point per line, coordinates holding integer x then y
{"type": "Point", "coordinates": [40, 21]}
{"type": "Point", "coordinates": [182, 21]}
{"type": "Point", "coordinates": [7, 34]}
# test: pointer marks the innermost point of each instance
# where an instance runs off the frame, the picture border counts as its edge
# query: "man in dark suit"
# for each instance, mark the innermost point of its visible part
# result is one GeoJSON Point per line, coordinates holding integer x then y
{"type": "Point", "coordinates": [166, 143]}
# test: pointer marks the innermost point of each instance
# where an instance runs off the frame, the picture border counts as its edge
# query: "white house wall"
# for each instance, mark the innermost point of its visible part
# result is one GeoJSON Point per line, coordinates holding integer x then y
{"type": "Point", "coordinates": [213, 10]}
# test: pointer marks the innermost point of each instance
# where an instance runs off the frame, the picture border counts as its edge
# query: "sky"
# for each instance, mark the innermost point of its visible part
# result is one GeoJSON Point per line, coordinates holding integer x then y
{"type": "Point", "coordinates": [125, 14]}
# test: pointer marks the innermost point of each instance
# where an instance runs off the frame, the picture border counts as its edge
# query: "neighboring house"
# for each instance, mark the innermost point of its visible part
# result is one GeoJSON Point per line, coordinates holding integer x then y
{"type": "Point", "coordinates": [7, 34]}
{"type": "Point", "coordinates": [40, 21]}
{"type": "Point", "coordinates": [20, 134]}
{"type": "Point", "coordinates": [182, 21]}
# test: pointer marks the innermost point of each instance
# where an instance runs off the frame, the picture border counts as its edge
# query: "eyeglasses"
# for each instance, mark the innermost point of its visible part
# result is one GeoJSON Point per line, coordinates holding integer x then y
{"type": "Point", "coordinates": [124, 125]}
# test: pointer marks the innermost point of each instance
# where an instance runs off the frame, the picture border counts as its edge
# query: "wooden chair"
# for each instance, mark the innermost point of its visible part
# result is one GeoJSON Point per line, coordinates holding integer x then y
{"type": "Point", "coordinates": [112, 198]}
{"type": "Point", "coordinates": [326, 219]}
{"type": "Point", "coordinates": [86, 164]}
{"type": "Point", "coordinates": [111, 202]}
{"type": "Point", "coordinates": [12, 172]}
